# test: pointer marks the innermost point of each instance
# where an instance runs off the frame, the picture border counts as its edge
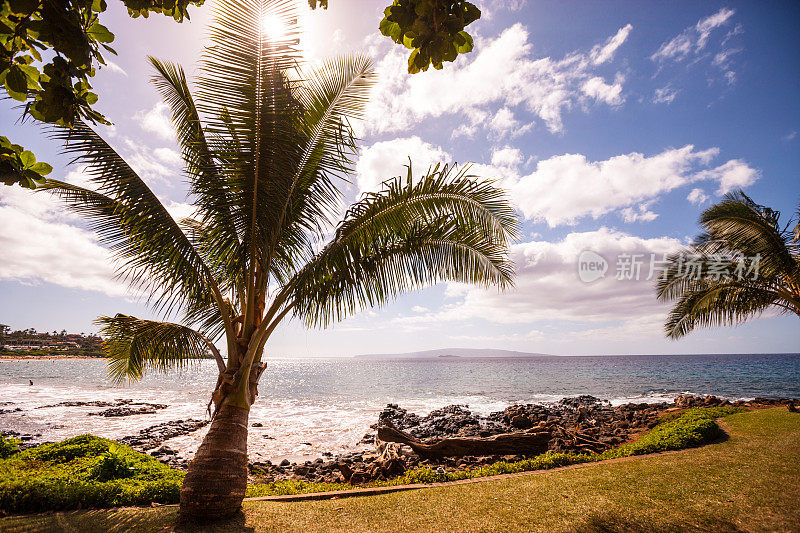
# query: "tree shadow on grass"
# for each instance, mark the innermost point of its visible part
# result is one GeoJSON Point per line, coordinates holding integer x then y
{"type": "Point", "coordinates": [611, 522]}
{"type": "Point", "coordinates": [235, 524]}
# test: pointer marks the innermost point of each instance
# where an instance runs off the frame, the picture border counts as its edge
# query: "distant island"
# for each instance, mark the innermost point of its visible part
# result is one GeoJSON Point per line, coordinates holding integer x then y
{"type": "Point", "coordinates": [454, 353]}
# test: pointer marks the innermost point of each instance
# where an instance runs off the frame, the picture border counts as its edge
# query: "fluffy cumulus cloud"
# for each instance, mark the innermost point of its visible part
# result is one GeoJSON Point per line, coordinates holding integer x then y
{"type": "Point", "coordinates": [565, 188]}
{"type": "Point", "coordinates": [548, 286]}
{"type": "Point", "coordinates": [601, 91]}
{"type": "Point", "coordinates": [640, 214]}
{"type": "Point", "coordinates": [697, 196]}
{"type": "Point", "coordinates": [502, 72]}
{"type": "Point", "coordinates": [506, 157]}
{"type": "Point", "coordinates": [157, 120]}
{"type": "Point", "coordinates": [51, 244]}
{"type": "Point", "coordinates": [386, 159]}
{"type": "Point", "coordinates": [733, 174]}
{"type": "Point", "coordinates": [41, 243]}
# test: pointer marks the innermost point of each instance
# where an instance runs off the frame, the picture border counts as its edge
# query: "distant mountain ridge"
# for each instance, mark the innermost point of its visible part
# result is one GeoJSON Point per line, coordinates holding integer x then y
{"type": "Point", "coordinates": [452, 353]}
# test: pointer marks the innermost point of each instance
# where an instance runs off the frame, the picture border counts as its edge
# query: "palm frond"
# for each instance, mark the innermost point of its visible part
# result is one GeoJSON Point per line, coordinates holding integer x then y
{"type": "Point", "coordinates": [720, 304]}
{"type": "Point", "coordinates": [132, 344]}
{"type": "Point", "coordinates": [446, 227]}
{"type": "Point", "coordinates": [244, 88]}
{"type": "Point", "coordinates": [156, 255]}
{"type": "Point", "coordinates": [706, 280]}
{"type": "Point", "coordinates": [208, 186]}
{"type": "Point", "coordinates": [332, 95]}
{"type": "Point", "coordinates": [741, 226]}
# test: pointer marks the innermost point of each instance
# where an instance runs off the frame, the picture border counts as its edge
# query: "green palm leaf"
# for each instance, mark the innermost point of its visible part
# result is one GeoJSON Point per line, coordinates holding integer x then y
{"type": "Point", "coordinates": [132, 344]}
{"type": "Point", "coordinates": [737, 230]}
{"type": "Point", "coordinates": [445, 227]}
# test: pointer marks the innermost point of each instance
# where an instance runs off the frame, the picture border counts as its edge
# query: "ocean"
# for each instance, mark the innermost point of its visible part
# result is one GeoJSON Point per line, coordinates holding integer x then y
{"type": "Point", "coordinates": [310, 406]}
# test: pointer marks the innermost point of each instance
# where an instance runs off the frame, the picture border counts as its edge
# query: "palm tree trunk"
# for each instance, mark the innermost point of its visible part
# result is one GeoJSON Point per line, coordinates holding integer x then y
{"type": "Point", "coordinates": [216, 482]}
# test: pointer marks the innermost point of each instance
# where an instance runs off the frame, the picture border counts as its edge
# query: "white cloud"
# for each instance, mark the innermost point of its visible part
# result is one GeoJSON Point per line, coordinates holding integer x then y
{"type": "Point", "coordinates": [708, 24]}
{"type": "Point", "coordinates": [641, 214]}
{"type": "Point", "coordinates": [697, 196]}
{"type": "Point", "coordinates": [168, 156]}
{"type": "Point", "coordinates": [531, 335]}
{"type": "Point", "coordinates": [548, 287]}
{"type": "Point", "coordinates": [792, 135]}
{"type": "Point", "coordinates": [501, 72]}
{"type": "Point", "coordinates": [179, 210]}
{"type": "Point", "coordinates": [40, 245]}
{"type": "Point", "coordinates": [157, 120]}
{"type": "Point", "coordinates": [693, 42]}
{"type": "Point", "coordinates": [568, 187]}
{"type": "Point", "coordinates": [602, 54]}
{"type": "Point", "coordinates": [734, 174]}
{"type": "Point", "coordinates": [419, 309]}
{"type": "Point", "coordinates": [601, 91]}
{"type": "Point", "coordinates": [693, 39]}
{"type": "Point", "coordinates": [506, 157]}
{"type": "Point", "coordinates": [386, 159]}
{"type": "Point", "coordinates": [504, 124]}
{"type": "Point", "coordinates": [664, 95]}
{"type": "Point", "coordinates": [722, 59]}
{"type": "Point", "coordinates": [49, 243]}
{"type": "Point", "coordinates": [565, 188]}
{"type": "Point", "coordinates": [156, 165]}
{"type": "Point", "coordinates": [488, 7]}
{"type": "Point", "coordinates": [113, 67]}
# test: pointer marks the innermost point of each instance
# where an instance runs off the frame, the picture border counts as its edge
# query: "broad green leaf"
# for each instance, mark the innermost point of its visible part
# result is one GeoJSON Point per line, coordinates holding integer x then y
{"type": "Point", "coordinates": [468, 44]}
{"type": "Point", "coordinates": [100, 33]}
{"type": "Point", "coordinates": [42, 168]}
{"type": "Point", "coordinates": [27, 158]}
{"type": "Point", "coordinates": [17, 83]}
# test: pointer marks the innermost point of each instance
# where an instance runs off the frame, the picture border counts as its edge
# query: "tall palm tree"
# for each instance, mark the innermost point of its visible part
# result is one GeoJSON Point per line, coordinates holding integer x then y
{"type": "Point", "coordinates": [742, 265]}
{"type": "Point", "coordinates": [264, 143]}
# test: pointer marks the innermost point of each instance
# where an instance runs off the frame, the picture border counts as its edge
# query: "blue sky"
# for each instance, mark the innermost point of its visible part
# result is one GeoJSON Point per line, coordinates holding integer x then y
{"type": "Point", "coordinates": [612, 125]}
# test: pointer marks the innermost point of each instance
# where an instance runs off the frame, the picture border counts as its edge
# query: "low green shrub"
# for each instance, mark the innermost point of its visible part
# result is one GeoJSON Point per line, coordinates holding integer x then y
{"type": "Point", "coordinates": [281, 488]}
{"type": "Point", "coordinates": [692, 428]}
{"type": "Point", "coordinates": [712, 412]}
{"type": "Point", "coordinates": [8, 446]}
{"type": "Point", "coordinates": [84, 471]}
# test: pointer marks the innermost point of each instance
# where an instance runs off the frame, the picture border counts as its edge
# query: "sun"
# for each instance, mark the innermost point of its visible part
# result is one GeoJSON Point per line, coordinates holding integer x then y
{"type": "Point", "coordinates": [273, 27]}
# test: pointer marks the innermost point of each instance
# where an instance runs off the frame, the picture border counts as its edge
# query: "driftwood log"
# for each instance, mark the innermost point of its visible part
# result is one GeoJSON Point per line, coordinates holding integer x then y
{"type": "Point", "coordinates": [519, 442]}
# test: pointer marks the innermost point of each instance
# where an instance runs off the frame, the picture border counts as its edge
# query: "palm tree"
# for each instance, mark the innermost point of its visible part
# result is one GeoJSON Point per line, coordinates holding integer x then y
{"type": "Point", "coordinates": [264, 142]}
{"type": "Point", "coordinates": [742, 265]}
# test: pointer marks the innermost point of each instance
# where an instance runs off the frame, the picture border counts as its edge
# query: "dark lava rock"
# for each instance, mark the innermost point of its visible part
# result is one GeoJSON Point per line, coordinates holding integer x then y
{"type": "Point", "coordinates": [145, 409]}
{"type": "Point", "coordinates": [81, 404]}
{"type": "Point", "coordinates": [154, 436]}
{"type": "Point", "coordinates": [599, 425]}
{"type": "Point", "coordinates": [162, 451]}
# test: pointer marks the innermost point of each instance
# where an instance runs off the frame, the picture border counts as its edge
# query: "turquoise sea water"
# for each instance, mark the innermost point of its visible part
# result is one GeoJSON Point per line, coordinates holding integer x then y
{"type": "Point", "coordinates": [308, 406]}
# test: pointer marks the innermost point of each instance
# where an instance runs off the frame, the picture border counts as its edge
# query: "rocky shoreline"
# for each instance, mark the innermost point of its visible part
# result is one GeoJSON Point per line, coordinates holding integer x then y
{"type": "Point", "coordinates": [578, 424]}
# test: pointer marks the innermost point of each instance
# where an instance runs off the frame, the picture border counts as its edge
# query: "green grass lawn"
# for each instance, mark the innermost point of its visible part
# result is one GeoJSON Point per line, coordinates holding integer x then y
{"type": "Point", "coordinates": [749, 482]}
